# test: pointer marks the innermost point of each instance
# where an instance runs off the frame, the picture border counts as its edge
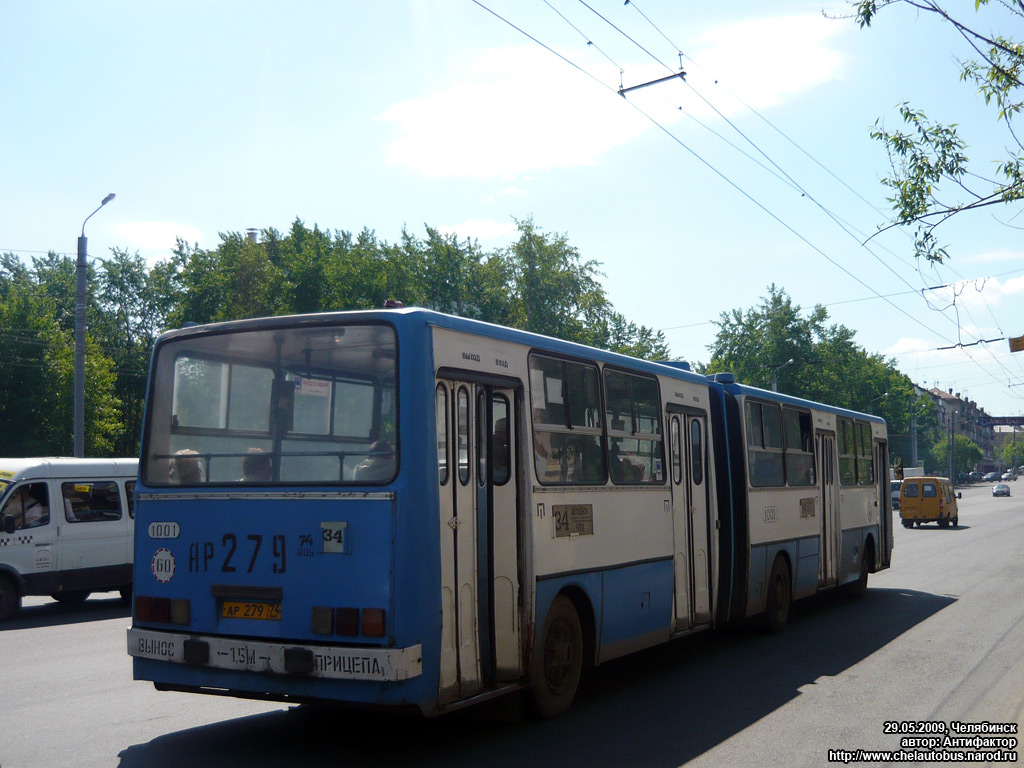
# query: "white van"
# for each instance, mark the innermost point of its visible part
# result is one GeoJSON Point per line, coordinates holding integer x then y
{"type": "Point", "coordinates": [66, 528]}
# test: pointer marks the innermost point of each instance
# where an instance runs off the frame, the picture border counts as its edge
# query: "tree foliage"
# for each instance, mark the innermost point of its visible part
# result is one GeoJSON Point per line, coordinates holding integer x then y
{"type": "Point", "coordinates": [966, 455]}
{"type": "Point", "coordinates": [539, 283]}
{"type": "Point", "coordinates": [932, 178]}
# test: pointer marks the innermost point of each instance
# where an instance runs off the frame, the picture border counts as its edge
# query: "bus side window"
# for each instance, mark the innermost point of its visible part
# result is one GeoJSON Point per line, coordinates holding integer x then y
{"type": "Point", "coordinates": [441, 427]}
{"type": "Point", "coordinates": [501, 449]}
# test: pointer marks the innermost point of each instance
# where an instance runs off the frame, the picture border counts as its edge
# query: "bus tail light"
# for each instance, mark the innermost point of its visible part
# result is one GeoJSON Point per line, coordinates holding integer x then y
{"type": "Point", "coordinates": [373, 622]}
{"type": "Point", "coordinates": [163, 610]}
{"type": "Point", "coordinates": [348, 622]}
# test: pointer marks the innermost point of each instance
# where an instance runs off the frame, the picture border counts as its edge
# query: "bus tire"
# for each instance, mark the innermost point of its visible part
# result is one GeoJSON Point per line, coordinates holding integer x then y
{"type": "Point", "coordinates": [10, 599]}
{"type": "Point", "coordinates": [779, 598]}
{"type": "Point", "coordinates": [558, 662]}
{"type": "Point", "coordinates": [859, 588]}
{"type": "Point", "coordinates": [944, 522]}
{"type": "Point", "coordinates": [72, 597]}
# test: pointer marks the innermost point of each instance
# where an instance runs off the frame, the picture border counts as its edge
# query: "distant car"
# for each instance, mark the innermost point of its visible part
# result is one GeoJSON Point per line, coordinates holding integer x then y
{"type": "Point", "coordinates": [991, 477]}
{"type": "Point", "coordinates": [1008, 476]}
{"type": "Point", "coordinates": [894, 491]}
{"type": "Point", "coordinates": [1000, 489]}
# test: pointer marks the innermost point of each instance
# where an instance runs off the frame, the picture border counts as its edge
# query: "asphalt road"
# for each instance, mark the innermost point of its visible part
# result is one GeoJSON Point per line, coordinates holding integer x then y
{"type": "Point", "coordinates": [938, 638]}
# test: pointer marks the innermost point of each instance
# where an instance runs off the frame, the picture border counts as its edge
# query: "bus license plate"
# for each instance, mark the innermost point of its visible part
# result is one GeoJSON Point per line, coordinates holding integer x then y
{"type": "Point", "coordinates": [236, 609]}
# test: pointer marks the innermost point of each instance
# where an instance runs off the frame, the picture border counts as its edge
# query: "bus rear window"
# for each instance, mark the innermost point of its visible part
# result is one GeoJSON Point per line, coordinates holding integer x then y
{"type": "Point", "coordinates": [289, 405]}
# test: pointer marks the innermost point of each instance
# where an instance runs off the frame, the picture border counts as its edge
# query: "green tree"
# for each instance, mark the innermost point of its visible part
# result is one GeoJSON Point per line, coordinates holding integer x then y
{"type": "Point", "coordinates": [932, 178]}
{"type": "Point", "coordinates": [966, 455]}
{"type": "Point", "coordinates": [37, 346]}
{"type": "Point", "coordinates": [1013, 452]}
{"type": "Point", "coordinates": [131, 308]}
{"type": "Point", "coordinates": [827, 365]}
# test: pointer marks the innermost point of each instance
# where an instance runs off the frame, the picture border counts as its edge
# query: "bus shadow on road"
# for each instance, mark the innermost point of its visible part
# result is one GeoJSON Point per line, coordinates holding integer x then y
{"type": "Point", "coordinates": [659, 708]}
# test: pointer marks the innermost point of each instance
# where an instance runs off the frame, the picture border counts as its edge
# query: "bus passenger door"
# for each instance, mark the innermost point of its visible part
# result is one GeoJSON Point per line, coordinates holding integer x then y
{"type": "Point", "coordinates": [885, 520]}
{"type": "Point", "coordinates": [690, 520]}
{"type": "Point", "coordinates": [479, 542]}
{"type": "Point", "coordinates": [828, 573]}
{"type": "Point", "coordinates": [700, 516]}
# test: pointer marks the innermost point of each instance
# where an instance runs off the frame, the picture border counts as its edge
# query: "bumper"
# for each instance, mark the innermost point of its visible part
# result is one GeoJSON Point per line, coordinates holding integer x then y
{"type": "Point", "coordinates": [291, 659]}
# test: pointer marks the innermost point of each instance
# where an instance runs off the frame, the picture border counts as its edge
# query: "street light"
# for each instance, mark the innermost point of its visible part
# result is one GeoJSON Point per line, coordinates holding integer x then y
{"type": "Point", "coordinates": [80, 276]}
{"type": "Point", "coordinates": [872, 402]}
{"type": "Point", "coordinates": [775, 378]}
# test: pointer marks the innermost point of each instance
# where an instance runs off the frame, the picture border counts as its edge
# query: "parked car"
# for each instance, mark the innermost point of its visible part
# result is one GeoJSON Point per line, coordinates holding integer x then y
{"type": "Point", "coordinates": [991, 477]}
{"type": "Point", "coordinates": [1000, 489]}
{"type": "Point", "coordinates": [1008, 476]}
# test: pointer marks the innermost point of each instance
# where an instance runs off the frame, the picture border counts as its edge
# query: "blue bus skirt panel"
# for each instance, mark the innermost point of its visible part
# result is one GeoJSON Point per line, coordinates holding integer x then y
{"type": "Point", "coordinates": [630, 606]}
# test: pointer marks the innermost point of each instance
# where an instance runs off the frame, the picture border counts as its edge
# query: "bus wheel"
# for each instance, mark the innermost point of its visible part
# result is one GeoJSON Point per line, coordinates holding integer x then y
{"type": "Point", "coordinates": [944, 522]}
{"type": "Point", "coordinates": [558, 662]}
{"type": "Point", "coordinates": [908, 524]}
{"type": "Point", "coordinates": [72, 597]}
{"type": "Point", "coordinates": [780, 596]}
{"type": "Point", "coordinates": [860, 587]}
{"type": "Point", "coordinates": [10, 600]}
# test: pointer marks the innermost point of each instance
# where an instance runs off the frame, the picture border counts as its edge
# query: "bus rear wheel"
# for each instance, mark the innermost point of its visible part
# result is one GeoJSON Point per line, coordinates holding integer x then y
{"type": "Point", "coordinates": [558, 662]}
{"type": "Point", "coordinates": [780, 597]}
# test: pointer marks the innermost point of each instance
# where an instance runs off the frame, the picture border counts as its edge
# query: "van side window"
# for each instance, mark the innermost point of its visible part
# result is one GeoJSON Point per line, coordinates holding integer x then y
{"type": "Point", "coordinates": [29, 506]}
{"type": "Point", "coordinates": [129, 491]}
{"type": "Point", "coordinates": [91, 501]}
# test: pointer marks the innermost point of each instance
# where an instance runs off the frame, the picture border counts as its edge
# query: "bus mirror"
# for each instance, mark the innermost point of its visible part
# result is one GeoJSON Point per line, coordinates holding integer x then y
{"type": "Point", "coordinates": [9, 524]}
{"type": "Point", "coordinates": [284, 405]}
{"type": "Point", "coordinates": [959, 495]}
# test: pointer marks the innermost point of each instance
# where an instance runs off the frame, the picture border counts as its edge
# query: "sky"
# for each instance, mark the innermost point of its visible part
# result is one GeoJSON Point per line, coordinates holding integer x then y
{"type": "Point", "coordinates": [694, 194]}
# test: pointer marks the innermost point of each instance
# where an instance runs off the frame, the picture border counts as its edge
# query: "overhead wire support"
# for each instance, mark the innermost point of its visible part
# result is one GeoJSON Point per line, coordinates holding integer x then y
{"type": "Point", "coordinates": [680, 74]}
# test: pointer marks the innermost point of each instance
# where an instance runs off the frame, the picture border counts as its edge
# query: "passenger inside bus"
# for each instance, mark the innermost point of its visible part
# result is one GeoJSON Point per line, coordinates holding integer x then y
{"type": "Point", "coordinates": [257, 467]}
{"type": "Point", "coordinates": [379, 466]}
{"type": "Point", "coordinates": [186, 468]}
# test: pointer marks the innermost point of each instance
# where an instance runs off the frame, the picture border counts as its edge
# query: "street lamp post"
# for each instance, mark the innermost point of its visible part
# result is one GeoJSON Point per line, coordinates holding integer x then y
{"type": "Point", "coordinates": [872, 402]}
{"type": "Point", "coordinates": [80, 278]}
{"type": "Point", "coordinates": [775, 376]}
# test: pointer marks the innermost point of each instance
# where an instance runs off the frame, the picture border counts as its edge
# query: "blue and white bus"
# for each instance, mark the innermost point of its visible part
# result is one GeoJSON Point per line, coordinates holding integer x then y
{"type": "Point", "coordinates": [401, 507]}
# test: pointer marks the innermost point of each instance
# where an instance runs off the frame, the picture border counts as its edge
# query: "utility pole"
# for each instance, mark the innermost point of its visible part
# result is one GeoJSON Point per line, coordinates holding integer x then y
{"type": "Point", "coordinates": [80, 288]}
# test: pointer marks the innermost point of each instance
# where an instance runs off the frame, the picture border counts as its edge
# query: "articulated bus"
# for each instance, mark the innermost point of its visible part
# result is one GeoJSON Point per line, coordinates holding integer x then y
{"type": "Point", "coordinates": [401, 508]}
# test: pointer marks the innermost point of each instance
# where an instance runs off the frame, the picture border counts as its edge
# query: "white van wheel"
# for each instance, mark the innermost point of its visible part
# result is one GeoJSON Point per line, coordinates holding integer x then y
{"type": "Point", "coordinates": [10, 600]}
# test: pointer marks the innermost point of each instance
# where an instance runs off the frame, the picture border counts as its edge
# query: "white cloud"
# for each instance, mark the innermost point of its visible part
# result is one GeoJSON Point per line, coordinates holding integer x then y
{"type": "Point", "coordinates": [480, 229]}
{"type": "Point", "coordinates": [768, 61]}
{"type": "Point", "coordinates": [517, 110]}
{"type": "Point", "coordinates": [156, 234]}
{"type": "Point", "coordinates": [997, 256]}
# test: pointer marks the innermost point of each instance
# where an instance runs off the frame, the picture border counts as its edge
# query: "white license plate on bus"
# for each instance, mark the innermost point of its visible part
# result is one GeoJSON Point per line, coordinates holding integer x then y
{"type": "Point", "coordinates": [242, 609]}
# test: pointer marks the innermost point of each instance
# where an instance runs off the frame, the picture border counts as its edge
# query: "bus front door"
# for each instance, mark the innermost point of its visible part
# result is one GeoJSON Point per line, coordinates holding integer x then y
{"type": "Point", "coordinates": [477, 475]}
